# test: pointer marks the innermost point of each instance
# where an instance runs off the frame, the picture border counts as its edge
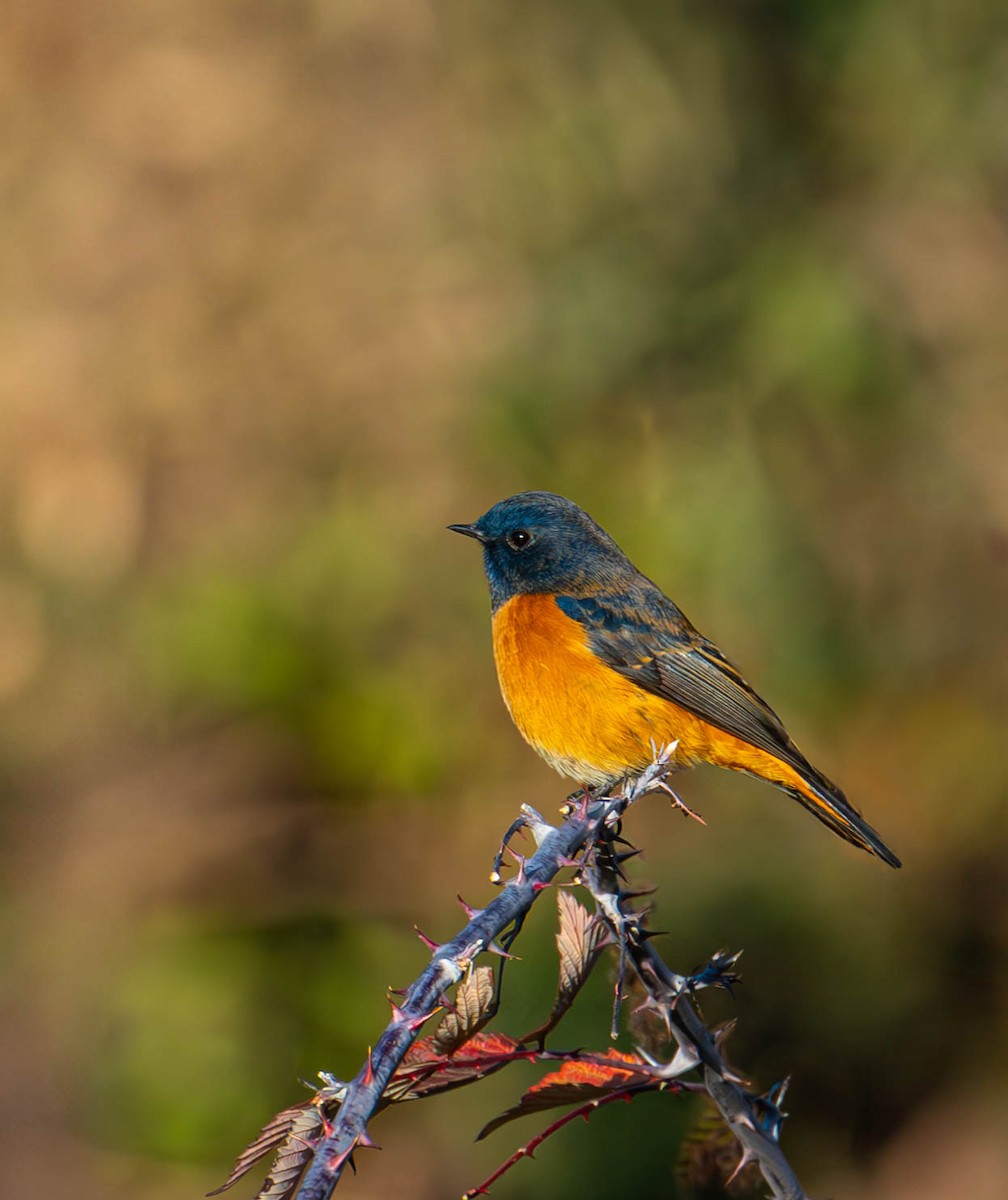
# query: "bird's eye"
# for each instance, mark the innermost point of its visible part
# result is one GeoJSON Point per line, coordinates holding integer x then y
{"type": "Point", "coordinates": [518, 539]}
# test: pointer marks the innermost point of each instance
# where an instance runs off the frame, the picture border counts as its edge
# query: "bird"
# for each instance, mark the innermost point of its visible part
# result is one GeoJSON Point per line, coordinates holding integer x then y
{"type": "Point", "coordinates": [597, 666]}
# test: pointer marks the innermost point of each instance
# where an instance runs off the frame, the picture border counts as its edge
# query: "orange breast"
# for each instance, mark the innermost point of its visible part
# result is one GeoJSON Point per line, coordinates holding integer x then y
{"type": "Point", "coordinates": [592, 723]}
{"type": "Point", "coordinates": [584, 718]}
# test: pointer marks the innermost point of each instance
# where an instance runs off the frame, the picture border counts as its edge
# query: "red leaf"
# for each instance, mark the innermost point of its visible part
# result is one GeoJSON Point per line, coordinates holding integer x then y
{"type": "Point", "coordinates": [580, 1074]}
{"type": "Point", "coordinates": [426, 1071]}
{"type": "Point", "coordinates": [577, 1081]}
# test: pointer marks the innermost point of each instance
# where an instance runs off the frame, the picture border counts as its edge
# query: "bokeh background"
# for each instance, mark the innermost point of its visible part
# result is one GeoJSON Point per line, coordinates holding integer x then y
{"type": "Point", "coordinates": [286, 288]}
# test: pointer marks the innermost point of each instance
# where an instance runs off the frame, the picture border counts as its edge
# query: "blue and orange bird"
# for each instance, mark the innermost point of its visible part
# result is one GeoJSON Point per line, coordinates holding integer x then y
{"type": "Point", "coordinates": [597, 665]}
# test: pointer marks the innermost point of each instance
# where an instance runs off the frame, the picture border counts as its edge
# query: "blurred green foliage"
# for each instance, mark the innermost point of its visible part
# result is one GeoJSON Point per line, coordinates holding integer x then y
{"type": "Point", "coordinates": [291, 287]}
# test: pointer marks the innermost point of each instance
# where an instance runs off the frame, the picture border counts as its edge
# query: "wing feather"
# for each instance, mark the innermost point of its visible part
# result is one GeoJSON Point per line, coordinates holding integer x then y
{"type": "Point", "coordinates": [644, 636]}
{"type": "Point", "coordinates": [641, 634]}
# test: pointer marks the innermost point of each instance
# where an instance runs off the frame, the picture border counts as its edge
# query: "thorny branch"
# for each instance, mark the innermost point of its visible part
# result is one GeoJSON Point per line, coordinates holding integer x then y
{"type": "Point", "coordinates": [314, 1150]}
{"type": "Point", "coordinates": [754, 1120]}
{"type": "Point", "coordinates": [556, 849]}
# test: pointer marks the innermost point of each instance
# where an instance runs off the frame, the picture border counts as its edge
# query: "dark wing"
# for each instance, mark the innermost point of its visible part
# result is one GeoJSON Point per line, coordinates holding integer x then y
{"type": "Point", "coordinates": [642, 635]}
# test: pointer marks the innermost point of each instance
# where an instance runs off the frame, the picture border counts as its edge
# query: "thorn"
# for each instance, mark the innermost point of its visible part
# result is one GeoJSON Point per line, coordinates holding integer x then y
{"type": "Point", "coordinates": [685, 1059]}
{"type": "Point", "coordinates": [647, 1056]}
{"type": "Point", "coordinates": [637, 916]}
{"type": "Point", "coordinates": [724, 1031]}
{"type": "Point", "coordinates": [537, 826]}
{"type": "Point", "coordinates": [577, 803]}
{"type": "Point", "coordinates": [648, 968]}
{"type": "Point", "coordinates": [623, 855]}
{"type": "Point", "coordinates": [746, 1158]}
{"type": "Point", "coordinates": [611, 825]}
{"type": "Point", "coordinates": [773, 1115]}
{"type": "Point", "coordinates": [431, 945]}
{"type": "Point", "coordinates": [394, 991]}
{"type": "Point", "coordinates": [650, 1004]}
{"type": "Point", "coordinates": [423, 1018]}
{"type": "Point", "coordinates": [365, 1140]}
{"type": "Point", "coordinates": [468, 909]}
{"type": "Point", "coordinates": [303, 1141]}
{"type": "Point", "coordinates": [337, 1160]}
{"type": "Point", "coordinates": [636, 893]}
{"type": "Point", "coordinates": [369, 1069]}
{"type": "Point", "coordinates": [496, 948]}
{"type": "Point", "coordinates": [538, 886]}
{"type": "Point", "coordinates": [617, 870]}
{"type": "Point", "coordinates": [519, 859]}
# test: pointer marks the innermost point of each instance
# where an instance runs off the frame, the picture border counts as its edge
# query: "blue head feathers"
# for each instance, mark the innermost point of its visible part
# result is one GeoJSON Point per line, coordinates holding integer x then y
{"type": "Point", "coordinates": [540, 542]}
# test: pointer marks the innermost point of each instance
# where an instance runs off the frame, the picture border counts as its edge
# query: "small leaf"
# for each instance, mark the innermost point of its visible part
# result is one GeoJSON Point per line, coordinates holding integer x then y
{"type": "Point", "coordinates": [287, 1168]}
{"type": "Point", "coordinates": [293, 1130]}
{"type": "Point", "coordinates": [578, 1081]}
{"type": "Point", "coordinates": [580, 939]}
{"type": "Point", "coordinates": [474, 998]}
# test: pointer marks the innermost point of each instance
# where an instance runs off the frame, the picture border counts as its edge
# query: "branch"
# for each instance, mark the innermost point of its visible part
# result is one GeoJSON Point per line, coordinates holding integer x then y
{"type": "Point", "coordinates": [754, 1120]}
{"type": "Point", "coordinates": [314, 1141]}
{"type": "Point", "coordinates": [584, 1111]}
{"type": "Point", "coordinates": [362, 1095]}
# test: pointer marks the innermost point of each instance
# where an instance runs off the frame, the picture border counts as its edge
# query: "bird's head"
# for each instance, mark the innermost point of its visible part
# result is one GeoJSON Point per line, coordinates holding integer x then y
{"type": "Point", "coordinates": [538, 542]}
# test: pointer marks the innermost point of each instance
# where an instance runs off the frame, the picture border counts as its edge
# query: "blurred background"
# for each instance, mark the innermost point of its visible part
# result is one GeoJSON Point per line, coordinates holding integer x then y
{"type": "Point", "coordinates": [287, 288]}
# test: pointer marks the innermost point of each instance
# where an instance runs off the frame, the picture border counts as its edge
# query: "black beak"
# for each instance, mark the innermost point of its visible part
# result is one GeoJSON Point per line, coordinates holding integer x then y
{"type": "Point", "coordinates": [470, 531]}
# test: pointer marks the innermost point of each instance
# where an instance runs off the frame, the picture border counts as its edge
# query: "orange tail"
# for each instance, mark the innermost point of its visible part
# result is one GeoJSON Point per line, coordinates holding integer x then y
{"type": "Point", "coordinates": [826, 801]}
{"type": "Point", "coordinates": [807, 785]}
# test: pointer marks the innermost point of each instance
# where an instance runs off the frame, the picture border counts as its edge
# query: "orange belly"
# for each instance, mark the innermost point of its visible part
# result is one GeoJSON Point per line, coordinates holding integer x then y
{"type": "Point", "coordinates": [584, 718]}
{"type": "Point", "coordinates": [592, 723]}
